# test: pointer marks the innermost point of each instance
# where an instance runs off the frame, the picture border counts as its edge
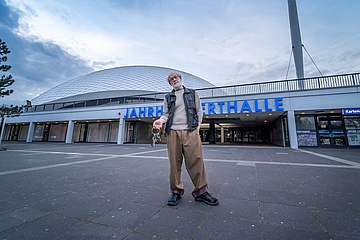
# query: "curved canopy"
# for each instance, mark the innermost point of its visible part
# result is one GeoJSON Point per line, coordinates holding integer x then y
{"type": "Point", "coordinates": [120, 81]}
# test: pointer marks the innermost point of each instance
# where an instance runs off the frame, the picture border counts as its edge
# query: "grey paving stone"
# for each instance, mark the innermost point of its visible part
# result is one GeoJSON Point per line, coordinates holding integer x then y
{"type": "Point", "coordinates": [19, 216]}
{"type": "Point", "coordinates": [351, 175]}
{"type": "Point", "coordinates": [8, 206]}
{"type": "Point", "coordinates": [125, 197]}
{"type": "Point", "coordinates": [141, 236]}
{"type": "Point", "coordinates": [321, 202]}
{"type": "Point", "coordinates": [291, 216]}
{"type": "Point", "coordinates": [237, 208]}
{"type": "Point", "coordinates": [270, 178]}
{"type": "Point", "coordinates": [93, 231]}
{"type": "Point", "coordinates": [124, 194]}
{"type": "Point", "coordinates": [172, 223]}
{"type": "Point", "coordinates": [89, 188]}
{"type": "Point", "coordinates": [280, 197]}
{"type": "Point", "coordinates": [245, 191]}
{"type": "Point", "coordinates": [309, 186]}
{"type": "Point", "coordinates": [34, 195]}
{"type": "Point", "coordinates": [154, 196]}
{"type": "Point", "coordinates": [47, 227]}
{"type": "Point", "coordinates": [342, 223]}
{"type": "Point", "coordinates": [222, 227]}
{"type": "Point", "coordinates": [77, 205]}
{"type": "Point", "coordinates": [349, 154]}
{"type": "Point", "coordinates": [282, 232]}
{"type": "Point", "coordinates": [128, 216]}
{"type": "Point", "coordinates": [238, 179]}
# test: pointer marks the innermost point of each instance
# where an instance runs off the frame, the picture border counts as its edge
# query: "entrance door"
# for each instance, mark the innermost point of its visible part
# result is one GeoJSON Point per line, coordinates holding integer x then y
{"type": "Point", "coordinates": [79, 134]}
{"type": "Point", "coordinates": [130, 133]}
{"type": "Point", "coordinates": [46, 133]}
{"type": "Point", "coordinates": [83, 132]}
{"type": "Point", "coordinates": [331, 131]}
{"type": "Point", "coordinates": [14, 131]}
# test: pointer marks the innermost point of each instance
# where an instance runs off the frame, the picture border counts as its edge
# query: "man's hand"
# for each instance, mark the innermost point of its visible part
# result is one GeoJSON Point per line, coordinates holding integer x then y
{"type": "Point", "coordinates": [158, 123]}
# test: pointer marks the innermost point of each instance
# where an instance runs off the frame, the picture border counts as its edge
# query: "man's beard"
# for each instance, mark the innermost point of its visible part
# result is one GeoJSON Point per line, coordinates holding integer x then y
{"type": "Point", "coordinates": [177, 85]}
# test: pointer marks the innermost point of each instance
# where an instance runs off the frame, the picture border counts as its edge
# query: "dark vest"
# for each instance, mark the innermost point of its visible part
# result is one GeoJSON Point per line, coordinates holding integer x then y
{"type": "Point", "coordinates": [190, 108]}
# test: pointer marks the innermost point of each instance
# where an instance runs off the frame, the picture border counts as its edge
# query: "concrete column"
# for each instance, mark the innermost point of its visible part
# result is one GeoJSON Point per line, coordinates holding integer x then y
{"type": "Point", "coordinates": [69, 132]}
{"type": "Point", "coordinates": [121, 131]}
{"type": "Point", "coordinates": [212, 132]}
{"type": "Point", "coordinates": [292, 130]}
{"type": "Point", "coordinates": [31, 131]}
{"type": "Point", "coordinates": [222, 135]}
{"type": "Point", "coordinates": [2, 130]}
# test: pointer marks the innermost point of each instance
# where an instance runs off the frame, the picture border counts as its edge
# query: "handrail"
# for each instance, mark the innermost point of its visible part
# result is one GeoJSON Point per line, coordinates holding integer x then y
{"type": "Point", "coordinates": [324, 82]}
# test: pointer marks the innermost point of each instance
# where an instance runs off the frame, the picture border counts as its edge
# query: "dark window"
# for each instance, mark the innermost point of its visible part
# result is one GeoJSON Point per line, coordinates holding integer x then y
{"type": "Point", "coordinates": [104, 101]}
{"type": "Point", "coordinates": [91, 103]}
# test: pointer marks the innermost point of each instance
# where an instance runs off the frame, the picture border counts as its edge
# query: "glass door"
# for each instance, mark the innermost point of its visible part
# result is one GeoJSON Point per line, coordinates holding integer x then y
{"type": "Point", "coordinates": [331, 131]}
{"type": "Point", "coordinates": [46, 133]}
{"type": "Point", "coordinates": [79, 134]}
{"type": "Point", "coordinates": [130, 133]}
{"type": "Point", "coordinates": [14, 133]}
{"type": "Point", "coordinates": [337, 132]}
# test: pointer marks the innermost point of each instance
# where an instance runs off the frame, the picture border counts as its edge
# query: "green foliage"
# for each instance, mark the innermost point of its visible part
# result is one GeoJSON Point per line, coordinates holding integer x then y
{"type": "Point", "coordinates": [5, 82]}
{"type": "Point", "coordinates": [10, 111]}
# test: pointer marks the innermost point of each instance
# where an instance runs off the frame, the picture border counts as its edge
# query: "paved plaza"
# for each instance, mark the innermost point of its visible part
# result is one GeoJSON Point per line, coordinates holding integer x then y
{"type": "Point", "coordinates": [108, 191]}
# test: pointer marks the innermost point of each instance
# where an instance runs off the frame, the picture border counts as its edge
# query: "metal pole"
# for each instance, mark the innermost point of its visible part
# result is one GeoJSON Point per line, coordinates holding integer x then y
{"type": "Point", "coordinates": [296, 40]}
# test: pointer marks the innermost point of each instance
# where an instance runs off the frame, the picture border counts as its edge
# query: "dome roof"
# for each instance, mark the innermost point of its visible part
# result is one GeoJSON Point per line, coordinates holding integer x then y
{"type": "Point", "coordinates": [117, 82]}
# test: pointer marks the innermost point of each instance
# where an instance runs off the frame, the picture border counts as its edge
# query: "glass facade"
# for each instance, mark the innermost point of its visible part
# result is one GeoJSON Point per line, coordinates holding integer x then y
{"type": "Point", "coordinates": [306, 131]}
{"type": "Point", "coordinates": [328, 131]}
{"type": "Point", "coordinates": [331, 131]}
{"type": "Point", "coordinates": [352, 125]}
{"type": "Point", "coordinates": [57, 133]}
{"type": "Point", "coordinates": [325, 130]}
{"type": "Point", "coordinates": [23, 132]}
{"type": "Point", "coordinates": [15, 132]}
{"type": "Point", "coordinates": [50, 132]}
{"type": "Point", "coordinates": [79, 132]}
{"type": "Point", "coordinates": [96, 132]}
{"type": "Point", "coordinates": [38, 134]}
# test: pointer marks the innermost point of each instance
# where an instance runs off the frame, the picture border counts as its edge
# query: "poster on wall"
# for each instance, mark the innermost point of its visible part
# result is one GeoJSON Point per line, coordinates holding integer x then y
{"type": "Point", "coordinates": [307, 138]}
{"type": "Point", "coordinates": [353, 139]}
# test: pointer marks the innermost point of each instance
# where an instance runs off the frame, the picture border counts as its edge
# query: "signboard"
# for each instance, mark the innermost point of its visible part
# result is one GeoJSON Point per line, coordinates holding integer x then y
{"type": "Point", "coordinates": [221, 107]}
{"type": "Point", "coordinates": [351, 111]}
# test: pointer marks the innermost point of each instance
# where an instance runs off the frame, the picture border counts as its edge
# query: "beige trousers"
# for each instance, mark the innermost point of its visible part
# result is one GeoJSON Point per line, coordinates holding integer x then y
{"type": "Point", "coordinates": [183, 144]}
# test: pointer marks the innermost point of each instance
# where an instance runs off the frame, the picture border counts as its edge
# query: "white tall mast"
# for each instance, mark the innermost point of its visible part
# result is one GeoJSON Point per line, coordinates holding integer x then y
{"type": "Point", "coordinates": [296, 39]}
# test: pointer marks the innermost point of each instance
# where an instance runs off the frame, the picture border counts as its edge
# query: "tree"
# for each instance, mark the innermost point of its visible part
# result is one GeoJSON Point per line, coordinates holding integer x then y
{"type": "Point", "coordinates": [5, 82]}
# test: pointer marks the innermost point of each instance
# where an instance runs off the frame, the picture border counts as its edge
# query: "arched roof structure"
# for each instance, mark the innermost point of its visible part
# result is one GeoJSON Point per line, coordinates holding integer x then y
{"type": "Point", "coordinates": [117, 82]}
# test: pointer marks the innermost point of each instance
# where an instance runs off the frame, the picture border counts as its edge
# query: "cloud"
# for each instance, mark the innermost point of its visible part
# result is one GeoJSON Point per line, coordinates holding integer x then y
{"type": "Point", "coordinates": [36, 65]}
{"type": "Point", "coordinates": [9, 19]}
{"type": "Point", "coordinates": [225, 42]}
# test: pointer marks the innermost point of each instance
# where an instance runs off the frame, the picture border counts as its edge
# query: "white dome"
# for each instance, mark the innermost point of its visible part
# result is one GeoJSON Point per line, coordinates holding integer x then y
{"type": "Point", "coordinates": [117, 82]}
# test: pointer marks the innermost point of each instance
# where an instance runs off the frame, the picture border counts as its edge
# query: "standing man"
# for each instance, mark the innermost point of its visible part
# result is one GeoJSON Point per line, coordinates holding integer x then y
{"type": "Point", "coordinates": [183, 116]}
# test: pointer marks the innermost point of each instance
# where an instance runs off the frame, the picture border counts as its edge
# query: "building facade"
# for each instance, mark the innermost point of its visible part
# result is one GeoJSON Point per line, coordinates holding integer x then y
{"type": "Point", "coordinates": [311, 112]}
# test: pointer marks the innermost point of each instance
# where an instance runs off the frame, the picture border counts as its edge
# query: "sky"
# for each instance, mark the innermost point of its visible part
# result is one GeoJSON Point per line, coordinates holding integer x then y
{"type": "Point", "coordinates": [225, 42]}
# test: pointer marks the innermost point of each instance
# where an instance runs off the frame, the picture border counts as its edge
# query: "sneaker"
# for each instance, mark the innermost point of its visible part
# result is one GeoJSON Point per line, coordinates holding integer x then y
{"type": "Point", "coordinates": [208, 199]}
{"type": "Point", "coordinates": [174, 199]}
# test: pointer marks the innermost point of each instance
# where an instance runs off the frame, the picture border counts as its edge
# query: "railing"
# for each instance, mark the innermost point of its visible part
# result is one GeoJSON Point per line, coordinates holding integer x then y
{"type": "Point", "coordinates": [337, 81]}
{"type": "Point", "coordinates": [326, 82]}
